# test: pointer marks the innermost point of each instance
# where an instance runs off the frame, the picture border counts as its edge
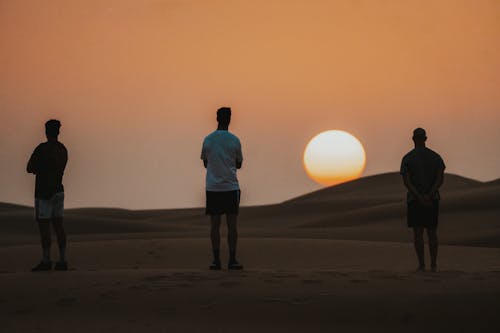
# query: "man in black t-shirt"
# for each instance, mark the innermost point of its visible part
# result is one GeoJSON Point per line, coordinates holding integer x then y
{"type": "Point", "coordinates": [422, 170]}
{"type": "Point", "coordinates": [48, 162]}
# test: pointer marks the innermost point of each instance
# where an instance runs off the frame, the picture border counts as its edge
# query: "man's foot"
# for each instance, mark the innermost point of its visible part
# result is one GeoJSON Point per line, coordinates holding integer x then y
{"type": "Point", "coordinates": [420, 269]}
{"type": "Point", "coordinates": [234, 265]}
{"type": "Point", "coordinates": [61, 266]}
{"type": "Point", "coordinates": [434, 269]}
{"type": "Point", "coordinates": [42, 266]}
{"type": "Point", "coordinates": [215, 265]}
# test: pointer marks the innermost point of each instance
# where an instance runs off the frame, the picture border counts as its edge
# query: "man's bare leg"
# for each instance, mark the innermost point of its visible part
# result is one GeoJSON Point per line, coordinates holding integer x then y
{"type": "Point", "coordinates": [232, 240]}
{"type": "Point", "coordinates": [232, 235]}
{"type": "Point", "coordinates": [45, 264]}
{"type": "Point", "coordinates": [419, 247]}
{"type": "Point", "coordinates": [45, 239]}
{"type": "Point", "coordinates": [433, 247]}
{"type": "Point", "coordinates": [57, 224]}
{"type": "Point", "coordinates": [215, 238]}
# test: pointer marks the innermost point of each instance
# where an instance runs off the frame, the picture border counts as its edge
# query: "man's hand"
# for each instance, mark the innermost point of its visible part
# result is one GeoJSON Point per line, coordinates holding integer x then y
{"type": "Point", "coordinates": [425, 200]}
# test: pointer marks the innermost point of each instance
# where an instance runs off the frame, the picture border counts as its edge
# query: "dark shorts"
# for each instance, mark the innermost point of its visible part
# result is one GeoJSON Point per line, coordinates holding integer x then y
{"type": "Point", "coordinates": [422, 216]}
{"type": "Point", "coordinates": [51, 208]}
{"type": "Point", "coordinates": [219, 203]}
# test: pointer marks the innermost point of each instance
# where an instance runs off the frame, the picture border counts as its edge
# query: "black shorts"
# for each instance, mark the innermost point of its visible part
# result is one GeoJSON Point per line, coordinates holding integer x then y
{"type": "Point", "coordinates": [219, 203]}
{"type": "Point", "coordinates": [422, 216]}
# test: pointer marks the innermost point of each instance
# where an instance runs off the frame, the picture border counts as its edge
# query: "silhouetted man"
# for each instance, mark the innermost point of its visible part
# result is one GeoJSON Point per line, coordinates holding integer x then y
{"type": "Point", "coordinates": [422, 170]}
{"type": "Point", "coordinates": [221, 155]}
{"type": "Point", "coordinates": [48, 162]}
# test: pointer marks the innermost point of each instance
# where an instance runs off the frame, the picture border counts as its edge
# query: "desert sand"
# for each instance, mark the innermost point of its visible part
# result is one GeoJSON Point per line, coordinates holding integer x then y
{"type": "Point", "coordinates": [337, 259]}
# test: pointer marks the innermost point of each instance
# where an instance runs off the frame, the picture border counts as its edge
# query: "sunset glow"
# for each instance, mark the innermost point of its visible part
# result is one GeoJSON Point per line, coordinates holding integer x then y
{"type": "Point", "coordinates": [334, 157]}
{"type": "Point", "coordinates": [136, 84]}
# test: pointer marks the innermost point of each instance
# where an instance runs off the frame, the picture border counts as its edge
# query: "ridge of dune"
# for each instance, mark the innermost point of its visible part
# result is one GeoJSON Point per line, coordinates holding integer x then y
{"type": "Point", "coordinates": [370, 208]}
{"type": "Point", "coordinates": [7, 206]}
{"type": "Point", "coordinates": [386, 185]}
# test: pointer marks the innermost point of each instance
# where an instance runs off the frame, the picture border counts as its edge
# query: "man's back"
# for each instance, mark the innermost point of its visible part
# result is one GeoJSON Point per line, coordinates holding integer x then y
{"type": "Point", "coordinates": [423, 165]}
{"type": "Point", "coordinates": [222, 151]}
{"type": "Point", "coordinates": [48, 162]}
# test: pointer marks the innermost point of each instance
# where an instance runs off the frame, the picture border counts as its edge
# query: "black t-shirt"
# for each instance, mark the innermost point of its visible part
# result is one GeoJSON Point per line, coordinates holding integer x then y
{"type": "Point", "coordinates": [48, 162]}
{"type": "Point", "coordinates": [423, 165]}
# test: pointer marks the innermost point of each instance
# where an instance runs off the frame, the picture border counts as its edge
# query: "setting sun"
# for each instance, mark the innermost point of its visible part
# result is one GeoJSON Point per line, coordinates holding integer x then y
{"type": "Point", "coordinates": [333, 157]}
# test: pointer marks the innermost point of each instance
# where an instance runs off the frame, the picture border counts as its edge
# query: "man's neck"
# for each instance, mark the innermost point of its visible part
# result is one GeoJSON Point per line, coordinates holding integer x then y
{"type": "Point", "coordinates": [51, 139]}
{"type": "Point", "coordinates": [222, 128]}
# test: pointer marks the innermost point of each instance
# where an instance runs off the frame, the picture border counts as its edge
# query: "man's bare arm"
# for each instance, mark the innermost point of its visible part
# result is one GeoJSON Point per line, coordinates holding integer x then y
{"type": "Point", "coordinates": [437, 183]}
{"type": "Point", "coordinates": [30, 167]}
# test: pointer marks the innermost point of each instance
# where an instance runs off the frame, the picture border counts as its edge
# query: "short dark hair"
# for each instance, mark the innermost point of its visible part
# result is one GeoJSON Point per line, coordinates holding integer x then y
{"type": "Point", "coordinates": [52, 127]}
{"type": "Point", "coordinates": [419, 133]}
{"type": "Point", "coordinates": [224, 115]}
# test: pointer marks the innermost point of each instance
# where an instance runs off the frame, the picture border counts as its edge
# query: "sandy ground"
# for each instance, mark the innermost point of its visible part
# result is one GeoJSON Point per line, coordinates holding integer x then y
{"type": "Point", "coordinates": [292, 285]}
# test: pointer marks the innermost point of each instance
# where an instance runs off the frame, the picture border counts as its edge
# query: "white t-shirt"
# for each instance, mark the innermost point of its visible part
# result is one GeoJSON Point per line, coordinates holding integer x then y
{"type": "Point", "coordinates": [222, 150]}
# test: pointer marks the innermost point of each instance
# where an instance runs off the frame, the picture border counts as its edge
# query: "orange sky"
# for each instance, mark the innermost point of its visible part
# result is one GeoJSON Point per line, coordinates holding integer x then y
{"type": "Point", "coordinates": [136, 84]}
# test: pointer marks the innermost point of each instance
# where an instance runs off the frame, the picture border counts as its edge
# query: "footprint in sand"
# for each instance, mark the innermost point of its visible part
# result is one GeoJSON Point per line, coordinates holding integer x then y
{"type": "Point", "coordinates": [358, 281]}
{"type": "Point", "coordinates": [312, 281]}
{"type": "Point", "coordinates": [478, 278]}
{"type": "Point", "coordinates": [207, 306]}
{"type": "Point", "coordinates": [136, 287]}
{"type": "Point", "coordinates": [299, 301]}
{"type": "Point", "coordinates": [24, 311]}
{"type": "Point", "coordinates": [275, 300]}
{"type": "Point", "coordinates": [110, 294]}
{"type": "Point", "coordinates": [194, 278]}
{"type": "Point", "coordinates": [389, 277]}
{"type": "Point", "coordinates": [450, 273]}
{"type": "Point", "coordinates": [333, 274]}
{"type": "Point", "coordinates": [229, 284]}
{"type": "Point", "coordinates": [66, 301]}
{"type": "Point", "coordinates": [168, 311]}
{"type": "Point", "coordinates": [327, 294]}
{"type": "Point", "coordinates": [494, 274]}
{"type": "Point", "coordinates": [284, 276]}
{"type": "Point", "coordinates": [153, 278]}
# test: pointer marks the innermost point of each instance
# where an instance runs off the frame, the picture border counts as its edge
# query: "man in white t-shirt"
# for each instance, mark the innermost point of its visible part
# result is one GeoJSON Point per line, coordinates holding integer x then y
{"type": "Point", "coordinates": [221, 155]}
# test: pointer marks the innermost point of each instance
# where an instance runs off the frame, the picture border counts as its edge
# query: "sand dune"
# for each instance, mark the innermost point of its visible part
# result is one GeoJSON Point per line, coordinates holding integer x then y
{"type": "Point", "coordinates": [371, 208]}
{"type": "Point", "coordinates": [336, 259]}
